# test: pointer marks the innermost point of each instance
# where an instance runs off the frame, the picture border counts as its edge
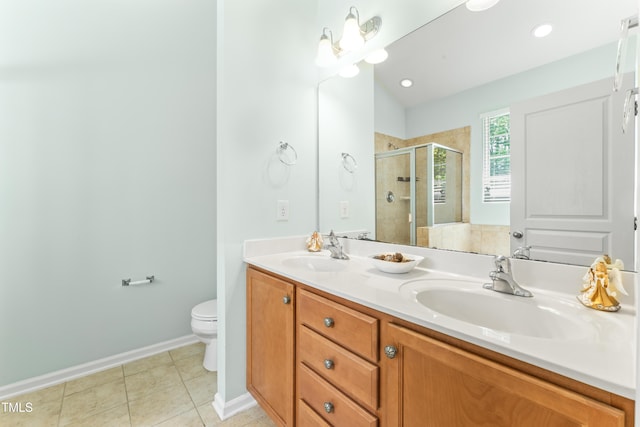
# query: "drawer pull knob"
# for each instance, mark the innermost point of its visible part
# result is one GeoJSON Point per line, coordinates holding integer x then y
{"type": "Point", "coordinates": [390, 351]}
{"type": "Point", "coordinates": [328, 407]}
{"type": "Point", "coordinates": [328, 363]}
{"type": "Point", "coordinates": [286, 299]}
{"type": "Point", "coordinates": [328, 322]}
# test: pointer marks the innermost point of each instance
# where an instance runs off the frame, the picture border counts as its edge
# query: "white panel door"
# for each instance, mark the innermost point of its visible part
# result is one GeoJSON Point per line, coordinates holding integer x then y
{"type": "Point", "coordinates": [573, 175]}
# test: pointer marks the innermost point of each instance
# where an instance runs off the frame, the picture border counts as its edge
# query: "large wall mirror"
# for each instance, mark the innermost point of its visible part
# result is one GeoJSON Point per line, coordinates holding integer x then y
{"type": "Point", "coordinates": [503, 140]}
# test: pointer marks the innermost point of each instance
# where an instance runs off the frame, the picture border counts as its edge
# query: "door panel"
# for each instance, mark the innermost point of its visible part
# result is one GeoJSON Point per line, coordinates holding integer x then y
{"type": "Point", "coordinates": [573, 175]}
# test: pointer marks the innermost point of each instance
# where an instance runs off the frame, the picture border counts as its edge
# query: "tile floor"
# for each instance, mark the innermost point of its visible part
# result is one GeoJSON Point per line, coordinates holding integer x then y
{"type": "Point", "coordinates": [167, 389]}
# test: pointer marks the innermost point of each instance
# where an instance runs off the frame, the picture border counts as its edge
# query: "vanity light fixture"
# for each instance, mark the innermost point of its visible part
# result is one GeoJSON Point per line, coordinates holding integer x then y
{"type": "Point", "coordinates": [480, 5]}
{"type": "Point", "coordinates": [326, 56]}
{"type": "Point", "coordinates": [353, 38]}
{"type": "Point", "coordinates": [377, 56]}
{"type": "Point", "coordinates": [542, 30]}
{"type": "Point", "coordinates": [349, 71]}
{"type": "Point", "coordinates": [406, 83]}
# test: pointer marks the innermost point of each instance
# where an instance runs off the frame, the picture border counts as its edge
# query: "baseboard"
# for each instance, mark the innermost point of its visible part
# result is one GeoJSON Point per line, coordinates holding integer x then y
{"type": "Point", "coordinates": [74, 372]}
{"type": "Point", "coordinates": [232, 407]}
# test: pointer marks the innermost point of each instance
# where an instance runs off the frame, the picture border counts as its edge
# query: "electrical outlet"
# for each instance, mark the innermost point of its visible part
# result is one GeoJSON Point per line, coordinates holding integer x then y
{"type": "Point", "coordinates": [344, 209]}
{"type": "Point", "coordinates": [283, 210]}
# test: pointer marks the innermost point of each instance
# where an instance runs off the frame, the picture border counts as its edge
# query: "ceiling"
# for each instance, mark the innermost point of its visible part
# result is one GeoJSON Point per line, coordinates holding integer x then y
{"type": "Point", "coordinates": [463, 49]}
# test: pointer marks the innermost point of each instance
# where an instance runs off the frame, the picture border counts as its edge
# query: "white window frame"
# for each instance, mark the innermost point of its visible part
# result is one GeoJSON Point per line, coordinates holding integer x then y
{"type": "Point", "coordinates": [499, 186]}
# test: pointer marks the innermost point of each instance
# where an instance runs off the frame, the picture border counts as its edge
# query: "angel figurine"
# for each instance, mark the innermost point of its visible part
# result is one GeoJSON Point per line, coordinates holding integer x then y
{"type": "Point", "coordinates": [314, 243]}
{"type": "Point", "coordinates": [601, 285]}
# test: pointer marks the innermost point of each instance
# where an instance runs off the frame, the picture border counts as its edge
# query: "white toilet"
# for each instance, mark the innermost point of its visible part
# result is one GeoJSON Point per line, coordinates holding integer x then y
{"type": "Point", "coordinates": [204, 323]}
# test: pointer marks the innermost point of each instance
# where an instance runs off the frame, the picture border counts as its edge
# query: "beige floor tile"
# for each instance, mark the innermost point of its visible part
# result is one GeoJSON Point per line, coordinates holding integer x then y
{"type": "Point", "coordinates": [43, 414]}
{"type": "Point", "coordinates": [151, 380]}
{"type": "Point", "coordinates": [202, 389]}
{"type": "Point", "coordinates": [187, 351]}
{"type": "Point", "coordinates": [88, 403]}
{"type": "Point", "coordinates": [208, 415]}
{"type": "Point", "coordinates": [99, 378]}
{"type": "Point", "coordinates": [190, 367]}
{"type": "Point", "coordinates": [247, 418]}
{"type": "Point", "coordinates": [147, 363]}
{"type": "Point", "coordinates": [49, 394]}
{"type": "Point", "coordinates": [115, 417]}
{"type": "Point", "coordinates": [187, 419]}
{"type": "Point", "coordinates": [159, 406]}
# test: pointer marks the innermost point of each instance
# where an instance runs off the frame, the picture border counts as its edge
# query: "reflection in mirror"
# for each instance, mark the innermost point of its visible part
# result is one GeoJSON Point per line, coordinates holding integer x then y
{"type": "Point", "coordinates": [468, 68]}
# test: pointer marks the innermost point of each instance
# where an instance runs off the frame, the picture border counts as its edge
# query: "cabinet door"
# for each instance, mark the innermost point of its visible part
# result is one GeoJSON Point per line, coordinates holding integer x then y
{"type": "Point", "coordinates": [429, 383]}
{"type": "Point", "coordinates": [270, 345]}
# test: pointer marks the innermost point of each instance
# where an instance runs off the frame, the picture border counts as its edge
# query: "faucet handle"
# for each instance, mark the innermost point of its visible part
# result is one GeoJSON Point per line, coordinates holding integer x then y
{"type": "Point", "coordinates": [500, 262]}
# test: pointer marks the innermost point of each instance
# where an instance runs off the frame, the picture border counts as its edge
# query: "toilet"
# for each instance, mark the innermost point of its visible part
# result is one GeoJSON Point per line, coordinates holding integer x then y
{"type": "Point", "coordinates": [204, 323]}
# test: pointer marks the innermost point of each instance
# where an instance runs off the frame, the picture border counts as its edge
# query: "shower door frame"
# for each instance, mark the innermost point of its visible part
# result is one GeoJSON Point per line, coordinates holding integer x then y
{"type": "Point", "coordinates": [412, 183]}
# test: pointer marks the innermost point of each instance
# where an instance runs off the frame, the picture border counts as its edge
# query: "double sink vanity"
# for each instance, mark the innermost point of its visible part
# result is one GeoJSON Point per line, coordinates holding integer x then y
{"type": "Point", "coordinates": [338, 342]}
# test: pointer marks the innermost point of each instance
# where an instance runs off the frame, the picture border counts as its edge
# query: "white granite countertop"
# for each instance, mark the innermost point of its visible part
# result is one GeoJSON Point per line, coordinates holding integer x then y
{"type": "Point", "coordinates": [601, 352]}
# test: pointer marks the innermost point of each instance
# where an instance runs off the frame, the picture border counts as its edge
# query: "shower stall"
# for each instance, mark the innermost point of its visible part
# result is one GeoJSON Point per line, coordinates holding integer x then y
{"type": "Point", "coordinates": [417, 186]}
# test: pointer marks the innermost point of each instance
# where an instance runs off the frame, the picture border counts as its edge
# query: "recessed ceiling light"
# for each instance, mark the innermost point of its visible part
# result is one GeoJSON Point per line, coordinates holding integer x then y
{"type": "Point", "coordinates": [406, 82]}
{"type": "Point", "coordinates": [480, 5]}
{"type": "Point", "coordinates": [542, 30]}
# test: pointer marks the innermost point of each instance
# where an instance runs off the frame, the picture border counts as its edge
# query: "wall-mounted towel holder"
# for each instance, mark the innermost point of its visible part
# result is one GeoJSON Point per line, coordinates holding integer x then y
{"type": "Point", "coordinates": [349, 162]}
{"type": "Point", "coordinates": [128, 282]}
{"type": "Point", "coordinates": [287, 154]}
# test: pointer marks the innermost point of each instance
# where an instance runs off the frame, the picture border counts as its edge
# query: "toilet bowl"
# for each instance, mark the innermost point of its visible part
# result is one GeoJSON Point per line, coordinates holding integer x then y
{"type": "Point", "coordinates": [204, 324]}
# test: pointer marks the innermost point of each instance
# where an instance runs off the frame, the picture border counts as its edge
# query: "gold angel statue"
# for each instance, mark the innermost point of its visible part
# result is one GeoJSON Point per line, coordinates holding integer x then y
{"type": "Point", "coordinates": [601, 285]}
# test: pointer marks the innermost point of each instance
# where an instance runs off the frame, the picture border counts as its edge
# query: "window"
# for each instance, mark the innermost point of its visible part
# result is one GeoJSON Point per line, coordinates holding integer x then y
{"type": "Point", "coordinates": [496, 168]}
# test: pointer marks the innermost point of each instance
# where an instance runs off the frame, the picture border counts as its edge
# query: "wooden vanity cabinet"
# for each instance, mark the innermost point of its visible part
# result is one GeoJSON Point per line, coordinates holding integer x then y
{"type": "Point", "coordinates": [337, 355]}
{"type": "Point", "coordinates": [314, 359]}
{"type": "Point", "coordinates": [432, 384]}
{"type": "Point", "coordinates": [271, 345]}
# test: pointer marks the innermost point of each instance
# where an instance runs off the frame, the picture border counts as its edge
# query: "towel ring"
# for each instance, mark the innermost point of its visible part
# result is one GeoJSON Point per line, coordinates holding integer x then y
{"type": "Point", "coordinates": [349, 163]}
{"type": "Point", "coordinates": [625, 25]}
{"type": "Point", "coordinates": [629, 109]}
{"type": "Point", "coordinates": [287, 159]}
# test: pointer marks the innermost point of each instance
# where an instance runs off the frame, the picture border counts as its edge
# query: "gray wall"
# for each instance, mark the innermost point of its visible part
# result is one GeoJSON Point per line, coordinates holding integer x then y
{"type": "Point", "coordinates": [107, 171]}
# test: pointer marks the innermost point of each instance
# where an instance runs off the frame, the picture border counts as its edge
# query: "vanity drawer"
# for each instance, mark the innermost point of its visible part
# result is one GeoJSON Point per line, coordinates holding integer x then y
{"type": "Point", "coordinates": [341, 367]}
{"type": "Point", "coordinates": [335, 407]}
{"type": "Point", "coordinates": [351, 329]}
{"type": "Point", "coordinates": [307, 417]}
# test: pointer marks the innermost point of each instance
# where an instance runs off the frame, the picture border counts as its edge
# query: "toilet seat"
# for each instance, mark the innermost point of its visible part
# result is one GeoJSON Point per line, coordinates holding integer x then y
{"type": "Point", "coordinates": [207, 311]}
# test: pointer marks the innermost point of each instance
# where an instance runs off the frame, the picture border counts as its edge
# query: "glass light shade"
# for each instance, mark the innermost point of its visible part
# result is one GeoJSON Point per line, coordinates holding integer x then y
{"type": "Point", "coordinates": [542, 30]}
{"type": "Point", "coordinates": [351, 37]}
{"type": "Point", "coordinates": [349, 71]}
{"type": "Point", "coordinates": [377, 56]}
{"type": "Point", "coordinates": [325, 57]}
{"type": "Point", "coordinates": [480, 5]}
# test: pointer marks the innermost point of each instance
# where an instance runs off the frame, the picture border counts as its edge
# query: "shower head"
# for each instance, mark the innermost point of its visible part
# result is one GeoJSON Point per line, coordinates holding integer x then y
{"type": "Point", "coordinates": [392, 145]}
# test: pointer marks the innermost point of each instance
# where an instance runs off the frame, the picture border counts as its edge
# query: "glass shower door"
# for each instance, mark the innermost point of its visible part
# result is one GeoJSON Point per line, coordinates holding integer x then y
{"type": "Point", "coordinates": [394, 204]}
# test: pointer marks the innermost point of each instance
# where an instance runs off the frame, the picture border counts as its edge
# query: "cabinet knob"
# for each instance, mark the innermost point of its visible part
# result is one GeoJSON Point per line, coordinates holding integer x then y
{"type": "Point", "coordinates": [286, 299]}
{"type": "Point", "coordinates": [328, 322]}
{"type": "Point", "coordinates": [328, 407]}
{"type": "Point", "coordinates": [390, 351]}
{"type": "Point", "coordinates": [328, 363]}
{"type": "Point", "coordinates": [517, 234]}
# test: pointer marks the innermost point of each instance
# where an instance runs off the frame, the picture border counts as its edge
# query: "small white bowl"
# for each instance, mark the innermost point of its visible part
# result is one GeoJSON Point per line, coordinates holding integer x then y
{"type": "Point", "coordinates": [396, 267]}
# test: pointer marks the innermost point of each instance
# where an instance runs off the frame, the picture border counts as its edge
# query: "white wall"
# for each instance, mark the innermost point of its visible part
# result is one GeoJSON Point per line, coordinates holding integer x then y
{"type": "Point", "coordinates": [106, 172]}
{"type": "Point", "coordinates": [267, 93]}
{"type": "Point", "coordinates": [345, 125]}
{"type": "Point", "coordinates": [389, 114]}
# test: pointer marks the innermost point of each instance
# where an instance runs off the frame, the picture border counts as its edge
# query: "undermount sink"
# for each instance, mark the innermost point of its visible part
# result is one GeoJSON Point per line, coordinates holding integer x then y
{"type": "Point", "coordinates": [318, 262]}
{"type": "Point", "coordinates": [466, 301]}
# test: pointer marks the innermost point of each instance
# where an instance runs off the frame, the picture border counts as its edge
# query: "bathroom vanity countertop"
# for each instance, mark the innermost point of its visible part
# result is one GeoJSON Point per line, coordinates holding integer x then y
{"type": "Point", "coordinates": [605, 359]}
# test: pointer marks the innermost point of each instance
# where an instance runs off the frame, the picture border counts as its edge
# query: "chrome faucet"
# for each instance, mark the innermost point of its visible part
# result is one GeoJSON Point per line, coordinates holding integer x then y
{"type": "Point", "coordinates": [522, 252]}
{"type": "Point", "coordinates": [335, 247]}
{"type": "Point", "coordinates": [503, 281]}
